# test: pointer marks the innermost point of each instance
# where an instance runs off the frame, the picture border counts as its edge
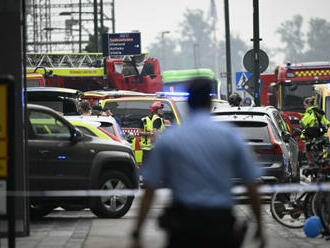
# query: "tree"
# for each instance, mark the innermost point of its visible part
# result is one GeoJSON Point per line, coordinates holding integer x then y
{"type": "Point", "coordinates": [313, 48]}
{"type": "Point", "coordinates": [292, 37]}
{"type": "Point", "coordinates": [318, 39]}
{"type": "Point", "coordinates": [91, 47]}
{"type": "Point", "coordinates": [196, 42]}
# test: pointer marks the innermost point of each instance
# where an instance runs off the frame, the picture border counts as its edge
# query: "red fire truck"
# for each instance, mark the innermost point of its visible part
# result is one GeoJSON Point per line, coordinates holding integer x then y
{"type": "Point", "coordinates": [290, 84]}
{"type": "Point", "coordinates": [90, 71]}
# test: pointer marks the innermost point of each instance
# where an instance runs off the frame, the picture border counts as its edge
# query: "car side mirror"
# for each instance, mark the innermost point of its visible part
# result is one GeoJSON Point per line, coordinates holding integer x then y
{"type": "Point", "coordinates": [76, 136]}
{"type": "Point", "coordinates": [286, 136]}
{"type": "Point", "coordinates": [296, 132]}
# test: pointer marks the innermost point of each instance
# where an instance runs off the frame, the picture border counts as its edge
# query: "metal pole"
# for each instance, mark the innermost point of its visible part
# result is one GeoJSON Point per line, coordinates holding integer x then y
{"type": "Point", "coordinates": [80, 27]}
{"type": "Point", "coordinates": [256, 48]}
{"type": "Point", "coordinates": [95, 27]}
{"type": "Point", "coordinates": [228, 55]}
{"type": "Point", "coordinates": [101, 10]}
{"type": "Point", "coordinates": [113, 16]}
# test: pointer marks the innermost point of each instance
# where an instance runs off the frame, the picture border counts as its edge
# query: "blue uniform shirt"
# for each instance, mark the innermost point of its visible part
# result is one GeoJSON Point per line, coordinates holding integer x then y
{"type": "Point", "coordinates": [198, 160]}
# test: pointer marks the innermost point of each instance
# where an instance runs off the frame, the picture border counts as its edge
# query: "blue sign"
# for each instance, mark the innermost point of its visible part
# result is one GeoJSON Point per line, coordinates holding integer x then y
{"type": "Point", "coordinates": [241, 79]}
{"type": "Point", "coordinates": [121, 44]}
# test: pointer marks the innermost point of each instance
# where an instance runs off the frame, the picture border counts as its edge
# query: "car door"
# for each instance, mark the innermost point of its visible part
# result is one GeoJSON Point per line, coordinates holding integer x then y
{"type": "Point", "coordinates": [55, 162]}
{"type": "Point", "coordinates": [292, 144]}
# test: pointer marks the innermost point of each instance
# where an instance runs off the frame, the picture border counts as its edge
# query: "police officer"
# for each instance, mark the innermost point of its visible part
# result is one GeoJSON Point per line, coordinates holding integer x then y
{"type": "Point", "coordinates": [151, 125]}
{"type": "Point", "coordinates": [234, 100]}
{"type": "Point", "coordinates": [314, 122]}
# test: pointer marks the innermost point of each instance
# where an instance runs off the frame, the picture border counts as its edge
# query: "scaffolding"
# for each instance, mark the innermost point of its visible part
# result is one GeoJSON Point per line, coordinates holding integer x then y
{"type": "Point", "coordinates": [66, 25]}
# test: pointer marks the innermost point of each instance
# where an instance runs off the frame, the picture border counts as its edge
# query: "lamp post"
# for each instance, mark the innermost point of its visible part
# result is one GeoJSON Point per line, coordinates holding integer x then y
{"type": "Point", "coordinates": [163, 47]}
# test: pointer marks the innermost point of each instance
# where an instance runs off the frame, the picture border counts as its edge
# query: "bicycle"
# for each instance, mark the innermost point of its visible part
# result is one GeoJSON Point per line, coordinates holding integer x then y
{"type": "Point", "coordinates": [293, 208]}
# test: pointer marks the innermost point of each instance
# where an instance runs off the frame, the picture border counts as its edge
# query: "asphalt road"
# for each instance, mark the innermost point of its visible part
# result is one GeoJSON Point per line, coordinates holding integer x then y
{"type": "Point", "coordinates": [83, 229]}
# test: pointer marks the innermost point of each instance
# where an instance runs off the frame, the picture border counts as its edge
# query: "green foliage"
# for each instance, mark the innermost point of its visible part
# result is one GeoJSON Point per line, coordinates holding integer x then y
{"type": "Point", "coordinates": [194, 47]}
{"type": "Point", "coordinates": [91, 47]}
{"type": "Point", "coordinates": [314, 47]}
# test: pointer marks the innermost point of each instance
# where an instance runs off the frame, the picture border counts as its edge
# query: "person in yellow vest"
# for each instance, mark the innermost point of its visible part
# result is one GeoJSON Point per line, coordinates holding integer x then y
{"type": "Point", "coordinates": [151, 126]}
{"type": "Point", "coordinates": [314, 123]}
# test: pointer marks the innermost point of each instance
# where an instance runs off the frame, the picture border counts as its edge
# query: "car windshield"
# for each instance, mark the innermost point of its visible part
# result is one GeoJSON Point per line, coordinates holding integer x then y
{"type": "Point", "coordinates": [183, 109]}
{"type": "Point", "coordinates": [130, 112]}
{"type": "Point", "coordinates": [327, 107]}
{"type": "Point", "coordinates": [294, 95]}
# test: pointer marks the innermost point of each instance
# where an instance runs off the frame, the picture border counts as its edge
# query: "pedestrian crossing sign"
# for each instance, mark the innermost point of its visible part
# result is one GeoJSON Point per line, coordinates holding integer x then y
{"type": "Point", "coordinates": [241, 79]}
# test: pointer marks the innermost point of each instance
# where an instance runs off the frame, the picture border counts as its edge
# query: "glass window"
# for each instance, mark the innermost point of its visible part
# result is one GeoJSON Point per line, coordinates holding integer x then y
{"type": "Point", "coordinates": [48, 127]}
{"type": "Point", "coordinates": [85, 130]}
{"type": "Point", "coordinates": [294, 95]}
{"type": "Point", "coordinates": [327, 107]}
{"type": "Point", "coordinates": [33, 83]}
{"type": "Point", "coordinates": [130, 113]}
{"type": "Point", "coordinates": [253, 131]}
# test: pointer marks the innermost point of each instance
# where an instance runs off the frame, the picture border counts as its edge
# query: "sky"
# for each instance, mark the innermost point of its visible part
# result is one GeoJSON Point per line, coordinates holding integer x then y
{"type": "Point", "coordinates": [151, 17]}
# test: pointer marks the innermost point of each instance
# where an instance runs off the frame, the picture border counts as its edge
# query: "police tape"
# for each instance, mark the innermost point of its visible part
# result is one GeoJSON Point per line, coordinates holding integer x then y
{"type": "Point", "coordinates": [237, 190]}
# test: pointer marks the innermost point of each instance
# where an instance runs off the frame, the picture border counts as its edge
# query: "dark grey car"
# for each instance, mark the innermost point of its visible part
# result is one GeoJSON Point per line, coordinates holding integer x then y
{"type": "Point", "coordinates": [62, 158]}
{"type": "Point", "coordinates": [281, 129]}
{"type": "Point", "coordinates": [267, 146]}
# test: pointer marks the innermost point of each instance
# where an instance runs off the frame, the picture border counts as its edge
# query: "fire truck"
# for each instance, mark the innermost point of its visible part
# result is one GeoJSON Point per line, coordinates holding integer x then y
{"type": "Point", "coordinates": [90, 71]}
{"type": "Point", "coordinates": [290, 85]}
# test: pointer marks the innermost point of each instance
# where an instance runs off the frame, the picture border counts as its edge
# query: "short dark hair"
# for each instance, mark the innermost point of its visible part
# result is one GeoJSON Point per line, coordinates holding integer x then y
{"type": "Point", "coordinates": [84, 106]}
{"type": "Point", "coordinates": [199, 92]}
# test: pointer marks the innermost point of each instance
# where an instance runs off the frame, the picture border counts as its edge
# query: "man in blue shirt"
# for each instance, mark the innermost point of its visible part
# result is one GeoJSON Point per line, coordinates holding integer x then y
{"type": "Point", "coordinates": [197, 161]}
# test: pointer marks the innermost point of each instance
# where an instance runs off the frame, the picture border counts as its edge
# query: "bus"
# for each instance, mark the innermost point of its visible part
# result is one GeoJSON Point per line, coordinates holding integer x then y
{"type": "Point", "coordinates": [178, 80]}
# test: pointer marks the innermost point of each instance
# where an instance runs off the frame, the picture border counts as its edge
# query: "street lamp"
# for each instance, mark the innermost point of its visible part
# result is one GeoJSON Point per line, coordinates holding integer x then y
{"type": "Point", "coordinates": [163, 47]}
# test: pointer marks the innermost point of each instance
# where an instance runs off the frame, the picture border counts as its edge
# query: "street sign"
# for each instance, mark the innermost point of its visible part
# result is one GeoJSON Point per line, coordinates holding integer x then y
{"type": "Point", "coordinates": [121, 44]}
{"type": "Point", "coordinates": [248, 61]}
{"type": "Point", "coordinates": [241, 79]}
{"type": "Point", "coordinates": [250, 87]}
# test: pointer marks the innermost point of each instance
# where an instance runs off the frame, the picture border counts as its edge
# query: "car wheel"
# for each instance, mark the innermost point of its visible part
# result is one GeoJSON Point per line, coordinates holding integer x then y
{"type": "Point", "coordinates": [38, 211]}
{"type": "Point", "coordinates": [112, 206]}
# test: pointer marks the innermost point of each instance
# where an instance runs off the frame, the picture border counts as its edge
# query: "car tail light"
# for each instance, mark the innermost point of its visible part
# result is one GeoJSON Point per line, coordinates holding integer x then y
{"type": "Point", "coordinates": [276, 149]}
{"type": "Point", "coordinates": [109, 134]}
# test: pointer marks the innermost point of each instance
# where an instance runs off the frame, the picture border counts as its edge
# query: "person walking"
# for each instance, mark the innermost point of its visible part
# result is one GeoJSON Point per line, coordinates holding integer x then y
{"type": "Point", "coordinates": [197, 162]}
{"type": "Point", "coordinates": [151, 126]}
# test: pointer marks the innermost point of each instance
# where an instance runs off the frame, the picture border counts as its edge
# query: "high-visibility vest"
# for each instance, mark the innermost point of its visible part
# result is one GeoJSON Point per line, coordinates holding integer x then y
{"type": "Point", "coordinates": [312, 118]}
{"type": "Point", "coordinates": [148, 126]}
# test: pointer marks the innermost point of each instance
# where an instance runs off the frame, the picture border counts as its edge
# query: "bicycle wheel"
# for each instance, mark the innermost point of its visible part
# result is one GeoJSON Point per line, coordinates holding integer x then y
{"type": "Point", "coordinates": [309, 205]}
{"type": "Point", "coordinates": [288, 209]}
{"type": "Point", "coordinates": [322, 203]}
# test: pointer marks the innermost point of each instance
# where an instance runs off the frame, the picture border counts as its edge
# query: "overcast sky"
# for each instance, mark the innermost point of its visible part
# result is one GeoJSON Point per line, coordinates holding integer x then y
{"type": "Point", "coordinates": [151, 17]}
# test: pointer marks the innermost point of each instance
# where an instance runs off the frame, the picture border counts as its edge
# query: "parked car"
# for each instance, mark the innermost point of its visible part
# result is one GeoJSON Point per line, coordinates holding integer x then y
{"type": "Point", "coordinates": [268, 138]}
{"type": "Point", "coordinates": [61, 157]}
{"type": "Point", "coordinates": [106, 124]}
{"type": "Point", "coordinates": [62, 100]}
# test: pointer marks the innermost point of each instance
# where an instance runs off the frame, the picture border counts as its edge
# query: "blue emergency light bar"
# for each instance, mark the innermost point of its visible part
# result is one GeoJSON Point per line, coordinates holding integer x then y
{"type": "Point", "coordinates": [173, 94]}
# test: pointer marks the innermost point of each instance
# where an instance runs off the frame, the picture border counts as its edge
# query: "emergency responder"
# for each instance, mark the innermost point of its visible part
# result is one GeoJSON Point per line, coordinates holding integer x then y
{"type": "Point", "coordinates": [247, 101]}
{"type": "Point", "coordinates": [151, 125]}
{"type": "Point", "coordinates": [84, 108]}
{"type": "Point", "coordinates": [234, 100]}
{"type": "Point", "coordinates": [314, 123]}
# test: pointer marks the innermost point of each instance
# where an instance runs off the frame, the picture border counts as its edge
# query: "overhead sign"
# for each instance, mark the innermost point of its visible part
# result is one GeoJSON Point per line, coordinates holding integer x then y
{"type": "Point", "coordinates": [3, 131]}
{"type": "Point", "coordinates": [241, 79]}
{"type": "Point", "coordinates": [248, 61]}
{"type": "Point", "coordinates": [121, 44]}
